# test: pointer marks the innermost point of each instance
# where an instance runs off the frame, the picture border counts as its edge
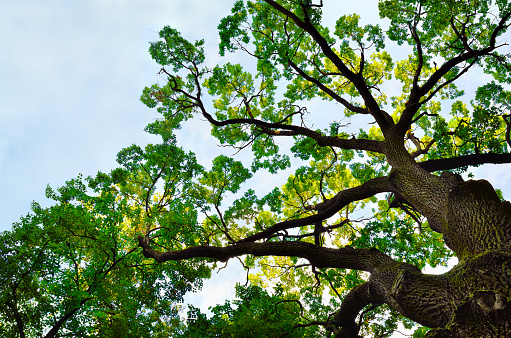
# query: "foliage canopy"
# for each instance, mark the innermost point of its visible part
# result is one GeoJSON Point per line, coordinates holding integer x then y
{"type": "Point", "coordinates": [342, 243]}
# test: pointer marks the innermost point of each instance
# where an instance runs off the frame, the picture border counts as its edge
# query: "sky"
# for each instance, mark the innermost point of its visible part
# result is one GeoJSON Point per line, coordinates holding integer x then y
{"type": "Point", "coordinates": [71, 74]}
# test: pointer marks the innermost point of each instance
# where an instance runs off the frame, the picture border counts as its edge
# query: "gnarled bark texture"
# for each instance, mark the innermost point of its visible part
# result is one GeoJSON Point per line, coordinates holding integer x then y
{"type": "Point", "coordinates": [471, 300]}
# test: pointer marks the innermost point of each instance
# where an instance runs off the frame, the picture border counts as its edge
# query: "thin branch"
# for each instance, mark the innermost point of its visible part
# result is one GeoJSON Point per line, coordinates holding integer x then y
{"type": "Point", "coordinates": [413, 103]}
{"type": "Point", "coordinates": [328, 91]}
{"type": "Point", "coordinates": [446, 83]}
{"type": "Point", "coordinates": [420, 57]}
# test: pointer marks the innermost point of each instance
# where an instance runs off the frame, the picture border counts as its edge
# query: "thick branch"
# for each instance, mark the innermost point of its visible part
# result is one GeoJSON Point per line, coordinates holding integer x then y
{"type": "Point", "coordinates": [416, 93]}
{"type": "Point", "coordinates": [345, 258]}
{"type": "Point", "coordinates": [322, 140]}
{"type": "Point", "coordinates": [19, 320]}
{"type": "Point", "coordinates": [413, 104]}
{"type": "Point", "coordinates": [357, 79]}
{"type": "Point", "coordinates": [329, 208]}
{"type": "Point", "coordinates": [508, 129]}
{"type": "Point", "coordinates": [353, 303]}
{"type": "Point", "coordinates": [462, 161]}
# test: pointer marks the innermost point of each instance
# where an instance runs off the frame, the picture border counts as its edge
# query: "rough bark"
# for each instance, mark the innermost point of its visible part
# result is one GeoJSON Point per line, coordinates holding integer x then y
{"type": "Point", "coordinates": [472, 299]}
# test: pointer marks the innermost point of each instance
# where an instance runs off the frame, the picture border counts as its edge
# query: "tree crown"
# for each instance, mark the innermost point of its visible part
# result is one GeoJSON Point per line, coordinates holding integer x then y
{"type": "Point", "coordinates": [375, 195]}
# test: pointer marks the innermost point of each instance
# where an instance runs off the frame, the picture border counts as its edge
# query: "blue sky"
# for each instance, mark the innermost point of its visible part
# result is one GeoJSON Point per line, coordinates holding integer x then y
{"type": "Point", "coordinates": [71, 74]}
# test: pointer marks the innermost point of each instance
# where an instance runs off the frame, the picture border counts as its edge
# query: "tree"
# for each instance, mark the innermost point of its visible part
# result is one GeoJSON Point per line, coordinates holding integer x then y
{"type": "Point", "coordinates": [344, 241]}
{"type": "Point", "coordinates": [74, 270]}
{"type": "Point", "coordinates": [255, 314]}
{"type": "Point", "coordinates": [414, 151]}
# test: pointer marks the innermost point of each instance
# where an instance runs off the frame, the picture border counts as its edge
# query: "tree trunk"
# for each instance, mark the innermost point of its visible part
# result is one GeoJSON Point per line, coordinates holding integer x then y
{"type": "Point", "coordinates": [473, 299]}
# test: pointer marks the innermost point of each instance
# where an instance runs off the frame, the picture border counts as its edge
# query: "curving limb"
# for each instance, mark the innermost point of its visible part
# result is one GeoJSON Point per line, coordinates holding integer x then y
{"type": "Point", "coordinates": [369, 260]}
{"type": "Point", "coordinates": [291, 130]}
{"type": "Point", "coordinates": [344, 197]}
{"type": "Point", "coordinates": [329, 207]}
{"type": "Point", "coordinates": [354, 302]}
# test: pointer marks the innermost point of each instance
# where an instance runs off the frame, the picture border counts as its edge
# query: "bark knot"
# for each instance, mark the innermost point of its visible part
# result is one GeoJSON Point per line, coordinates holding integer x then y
{"type": "Point", "coordinates": [490, 301]}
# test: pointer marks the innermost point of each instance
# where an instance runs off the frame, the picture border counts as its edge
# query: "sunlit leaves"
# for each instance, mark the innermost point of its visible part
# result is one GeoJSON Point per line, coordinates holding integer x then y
{"type": "Point", "coordinates": [226, 175]}
{"type": "Point", "coordinates": [75, 267]}
{"type": "Point", "coordinates": [224, 180]}
{"type": "Point", "coordinates": [347, 27]}
{"type": "Point", "coordinates": [267, 155]}
{"type": "Point", "coordinates": [230, 81]}
{"type": "Point", "coordinates": [436, 20]}
{"type": "Point", "coordinates": [165, 163]}
{"type": "Point", "coordinates": [305, 147]}
{"type": "Point", "coordinates": [480, 128]}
